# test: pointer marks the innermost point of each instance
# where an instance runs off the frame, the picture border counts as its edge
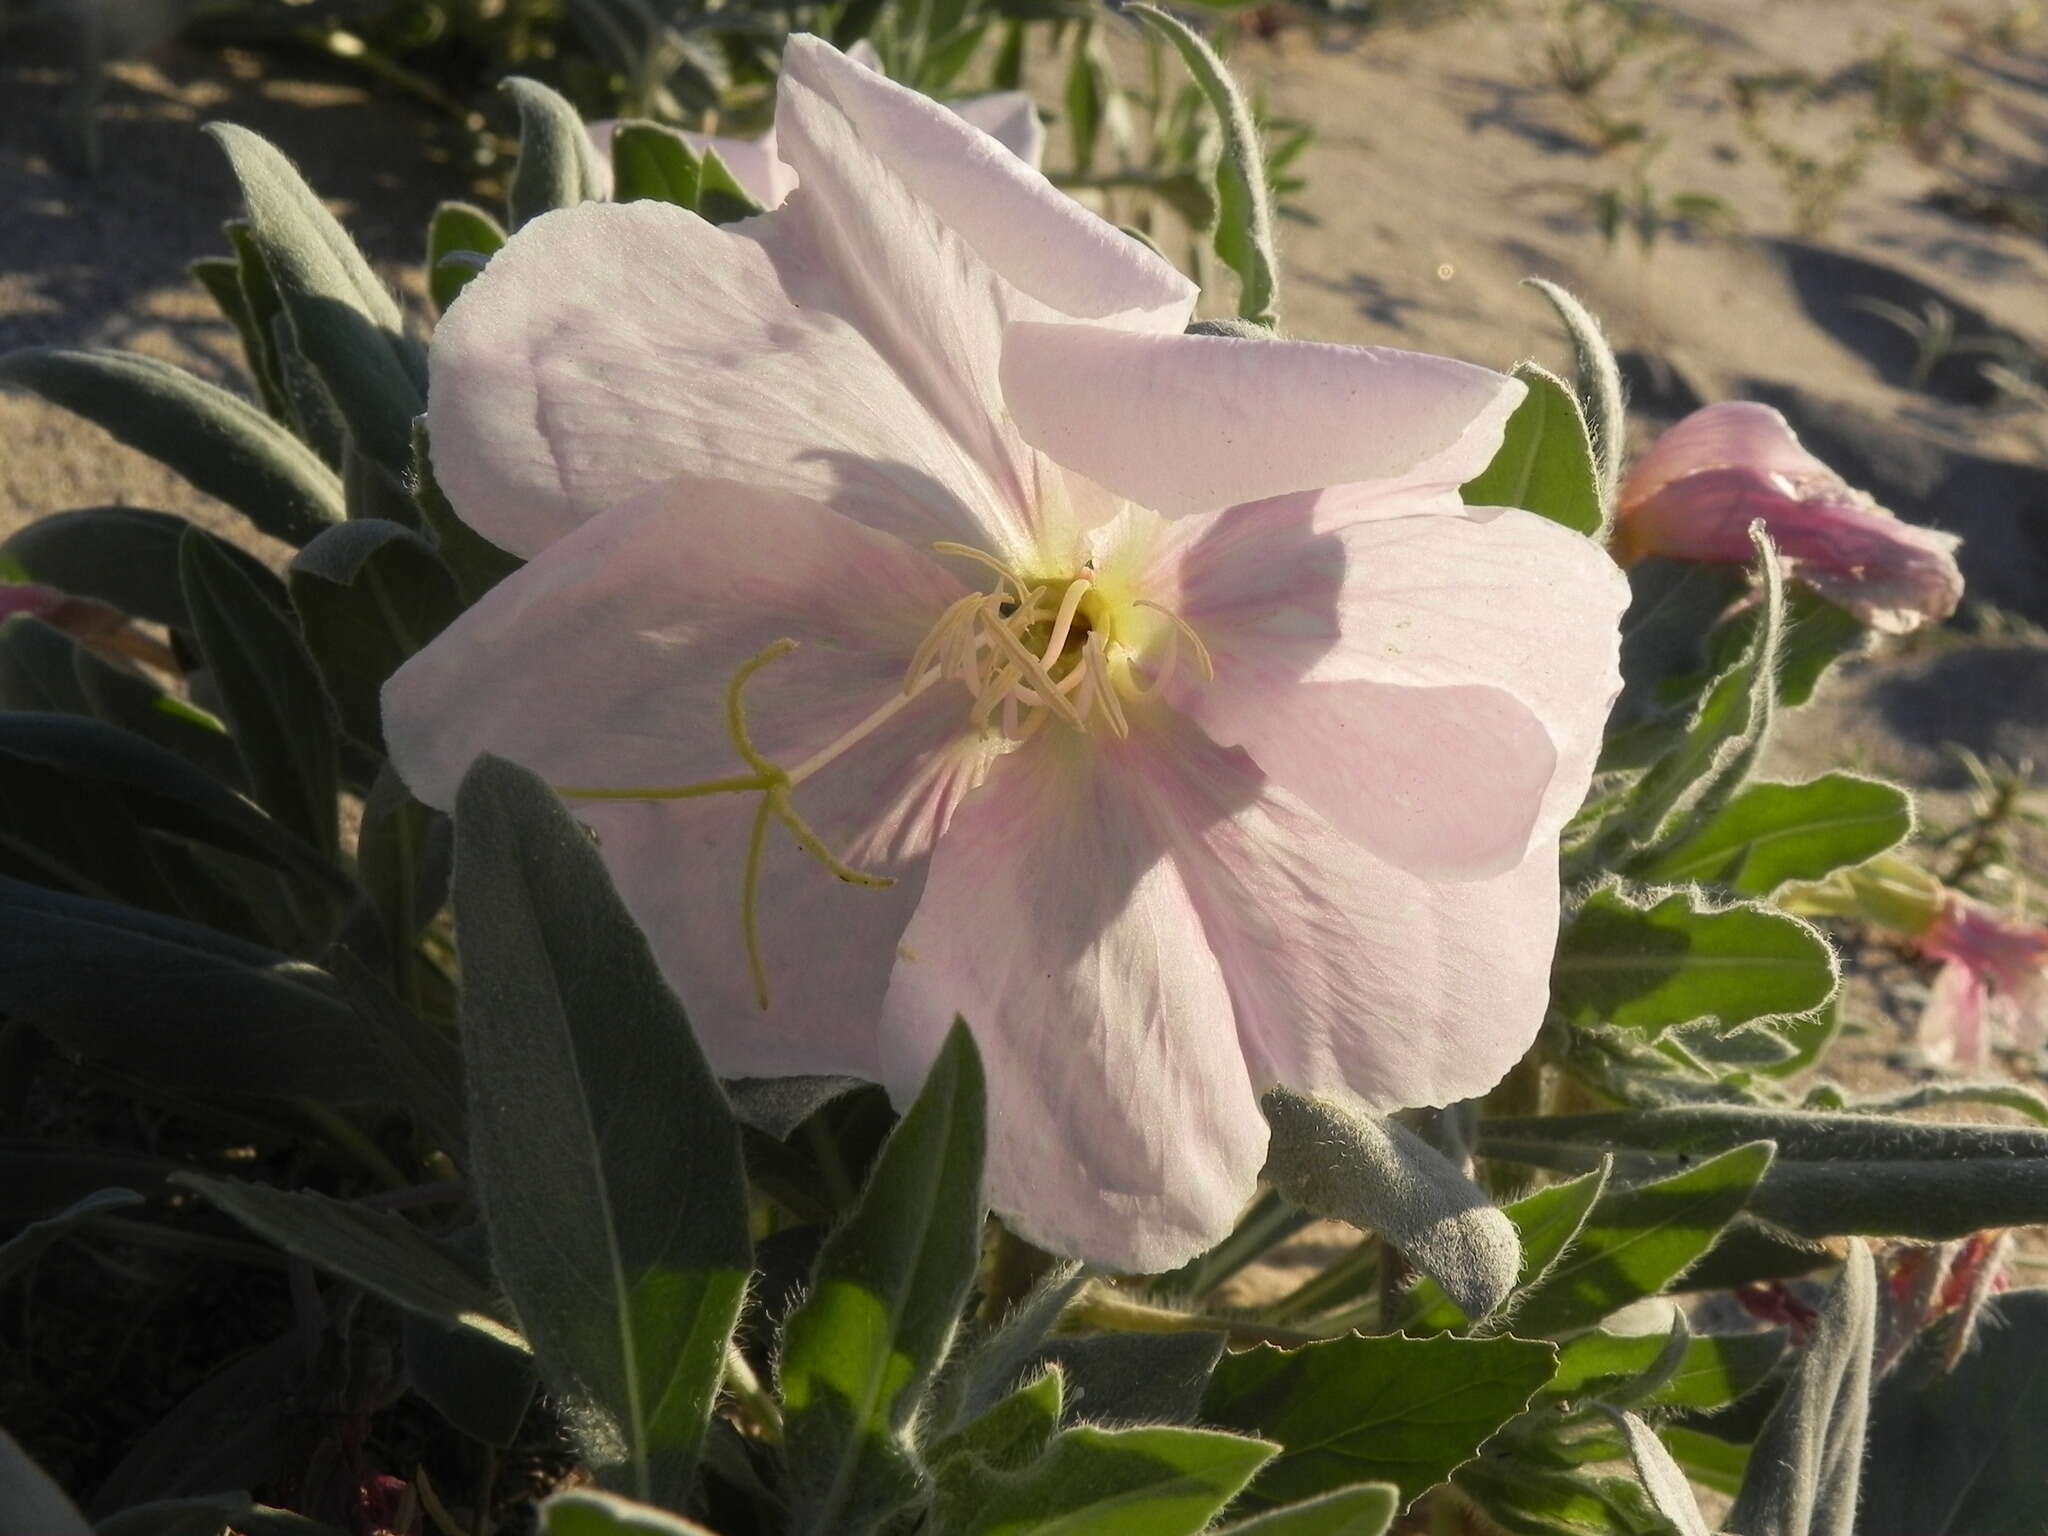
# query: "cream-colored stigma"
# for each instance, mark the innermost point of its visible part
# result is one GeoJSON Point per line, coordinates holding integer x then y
{"type": "Point", "coordinates": [1027, 651]}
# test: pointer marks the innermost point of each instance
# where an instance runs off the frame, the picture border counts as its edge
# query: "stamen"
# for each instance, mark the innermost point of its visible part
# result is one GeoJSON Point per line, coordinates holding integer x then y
{"type": "Point", "coordinates": [1069, 606]}
{"type": "Point", "coordinates": [936, 639]}
{"type": "Point", "coordinates": [1034, 669]}
{"type": "Point", "coordinates": [1187, 631]}
{"type": "Point", "coordinates": [1105, 691]}
{"type": "Point", "coordinates": [979, 557]}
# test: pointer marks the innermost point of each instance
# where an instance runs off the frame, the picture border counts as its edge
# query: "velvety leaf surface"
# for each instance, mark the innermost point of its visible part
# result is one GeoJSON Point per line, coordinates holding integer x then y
{"type": "Point", "coordinates": [605, 1158]}
{"type": "Point", "coordinates": [885, 1301]}
{"type": "Point", "coordinates": [1392, 1409]}
{"type": "Point", "coordinates": [1545, 463]}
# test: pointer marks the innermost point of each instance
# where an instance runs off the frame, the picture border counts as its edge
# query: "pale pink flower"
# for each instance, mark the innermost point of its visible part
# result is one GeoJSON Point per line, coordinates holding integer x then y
{"type": "Point", "coordinates": [1996, 972]}
{"type": "Point", "coordinates": [1695, 493]}
{"type": "Point", "coordinates": [1208, 741]}
{"type": "Point", "coordinates": [1008, 117]}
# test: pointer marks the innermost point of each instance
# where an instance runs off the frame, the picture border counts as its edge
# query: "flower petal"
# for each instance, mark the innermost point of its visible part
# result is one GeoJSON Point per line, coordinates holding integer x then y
{"type": "Point", "coordinates": [1951, 1028]}
{"type": "Point", "coordinates": [828, 946]}
{"type": "Point", "coordinates": [1486, 640]}
{"type": "Point", "coordinates": [1729, 434]}
{"type": "Point", "coordinates": [605, 661]}
{"type": "Point", "coordinates": [610, 348]}
{"type": "Point", "coordinates": [832, 115]}
{"type": "Point", "coordinates": [1010, 118]}
{"type": "Point", "coordinates": [604, 664]}
{"type": "Point", "coordinates": [1199, 423]}
{"type": "Point", "coordinates": [1346, 973]}
{"type": "Point", "coordinates": [1122, 1125]}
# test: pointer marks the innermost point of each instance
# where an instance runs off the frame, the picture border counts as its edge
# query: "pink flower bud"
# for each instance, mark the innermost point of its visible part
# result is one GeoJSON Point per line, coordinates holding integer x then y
{"type": "Point", "coordinates": [1694, 495]}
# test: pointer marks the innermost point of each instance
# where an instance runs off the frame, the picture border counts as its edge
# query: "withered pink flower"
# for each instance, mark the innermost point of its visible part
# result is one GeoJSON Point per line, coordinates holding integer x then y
{"type": "Point", "coordinates": [96, 625]}
{"type": "Point", "coordinates": [1995, 972]}
{"type": "Point", "coordinates": [1156, 702]}
{"type": "Point", "coordinates": [1694, 495]}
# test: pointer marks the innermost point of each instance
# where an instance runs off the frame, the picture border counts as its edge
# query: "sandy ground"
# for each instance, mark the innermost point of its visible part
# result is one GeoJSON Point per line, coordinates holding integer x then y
{"type": "Point", "coordinates": [1450, 162]}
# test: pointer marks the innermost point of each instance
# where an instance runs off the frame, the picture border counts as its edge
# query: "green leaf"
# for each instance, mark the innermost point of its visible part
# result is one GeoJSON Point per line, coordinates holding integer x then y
{"type": "Point", "coordinates": [558, 165]}
{"type": "Point", "coordinates": [21, 1251]}
{"type": "Point", "coordinates": [605, 1159]}
{"type": "Point", "coordinates": [1244, 224]}
{"type": "Point", "coordinates": [1681, 961]}
{"type": "Point", "coordinates": [586, 1512]}
{"type": "Point", "coordinates": [1135, 1378]}
{"type": "Point", "coordinates": [31, 1503]}
{"type": "Point", "coordinates": [123, 556]}
{"type": "Point", "coordinates": [1545, 463]}
{"type": "Point", "coordinates": [477, 1385]}
{"type": "Point", "coordinates": [1669, 1493]}
{"type": "Point", "coordinates": [268, 338]}
{"type": "Point", "coordinates": [1365, 1510]}
{"type": "Point", "coordinates": [1716, 1369]}
{"type": "Point", "coordinates": [422, 1062]}
{"type": "Point", "coordinates": [1805, 1466]}
{"type": "Point", "coordinates": [1711, 1462]}
{"type": "Point", "coordinates": [378, 1250]}
{"type": "Point", "coordinates": [1599, 385]}
{"type": "Point", "coordinates": [369, 596]}
{"type": "Point", "coordinates": [720, 197]}
{"type": "Point", "coordinates": [223, 445]}
{"type": "Point", "coordinates": [160, 791]}
{"type": "Point", "coordinates": [1014, 1432]}
{"type": "Point", "coordinates": [1527, 1500]}
{"type": "Point", "coordinates": [276, 705]}
{"type": "Point", "coordinates": [240, 1427]}
{"type": "Point", "coordinates": [478, 564]}
{"type": "Point", "coordinates": [1546, 1223]}
{"type": "Point", "coordinates": [885, 1301]}
{"type": "Point", "coordinates": [177, 1004]}
{"type": "Point", "coordinates": [343, 320]}
{"type": "Point", "coordinates": [1086, 99]}
{"type": "Point", "coordinates": [221, 277]}
{"type": "Point", "coordinates": [1956, 1442]}
{"type": "Point", "coordinates": [1637, 1241]}
{"type": "Point", "coordinates": [651, 163]}
{"type": "Point", "coordinates": [1771, 833]}
{"type": "Point", "coordinates": [1688, 784]}
{"type": "Point", "coordinates": [1398, 1410]}
{"type": "Point", "coordinates": [458, 230]}
{"type": "Point", "coordinates": [1381, 1177]}
{"type": "Point", "coordinates": [1102, 1482]}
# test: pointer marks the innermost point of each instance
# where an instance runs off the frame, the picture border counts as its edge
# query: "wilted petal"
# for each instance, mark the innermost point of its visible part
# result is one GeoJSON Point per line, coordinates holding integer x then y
{"type": "Point", "coordinates": [1731, 434]}
{"type": "Point", "coordinates": [1695, 494]}
{"type": "Point", "coordinates": [1123, 1127]}
{"type": "Point", "coordinates": [1199, 423]}
{"type": "Point", "coordinates": [1435, 685]}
